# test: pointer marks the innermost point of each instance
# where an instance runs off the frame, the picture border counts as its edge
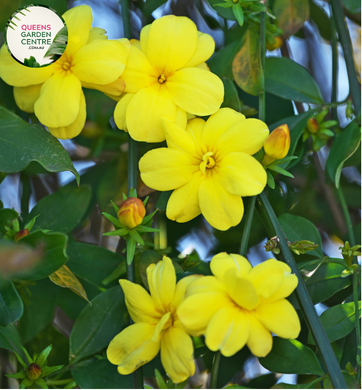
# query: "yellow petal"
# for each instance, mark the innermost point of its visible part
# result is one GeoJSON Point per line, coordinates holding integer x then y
{"type": "Point", "coordinates": [223, 262]}
{"type": "Point", "coordinates": [195, 128]}
{"type": "Point", "coordinates": [139, 303]}
{"type": "Point", "coordinates": [246, 136]}
{"type": "Point", "coordinates": [180, 291]}
{"type": "Point", "coordinates": [177, 138]}
{"type": "Point", "coordinates": [196, 311]}
{"type": "Point", "coordinates": [203, 66]}
{"type": "Point", "coordinates": [241, 174]}
{"type": "Point", "coordinates": [120, 111]}
{"type": "Point", "coordinates": [161, 279]}
{"type": "Point", "coordinates": [100, 62]}
{"type": "Point", "coordinates": [114, 88]}
{"type": "Point", "coordinates": [96, 33]}
{"type": "Point", "coordinates": [183, 204]}
{"type": "Point", "coordinates": [196, 91]}
{"type": "Point", "coordinates": [25, 97]}
{"type": "Point", "coordinates": [58, 103]}
{"type": "Point", "coordinates": [144, 37]}
{"type": "Point", "coordinates": [133, 348]}
{"type": "Point", "coordinates": [241, 291]}
{"type": "Point", "coordinates": [164, 323]}
{"type": "Point", "coordinates": [126, 43]}
{"type": "Point", "coordinates": [260, 341]}
{"type": "Point", "coordinates": [177, 355]}
{"type": "Point", "coordinates": [72, 130]}
{"type": "Point", "coordinates": [280, 318]}
{"type": "Point", "coordinates": [79, 21]}
{"type": "Point", "coordinates": [139, 73]}
{"type": "Point", "coordinates": [289, 284]}
{"type": "Point", "coordinates": [145, 111]}
{"type": "Point", "coordinates": [166, 169]}
{"type": "Point", "coordinates": [13, 73]}
{"type": "Point", "coordinates": [218, 124]}
{"type": "Point", "coordinates": [205, 285]}
{"type": "Point", "coordinates": [204, 50]}
{"type": "Point", "coordinates": [227, 331]}
{"type": "Point", "coordinates": [267, 277]}
{"type": "Point", "coordinates": [171, 42]}
{"type": "Point", "coordinates": [221, 209]}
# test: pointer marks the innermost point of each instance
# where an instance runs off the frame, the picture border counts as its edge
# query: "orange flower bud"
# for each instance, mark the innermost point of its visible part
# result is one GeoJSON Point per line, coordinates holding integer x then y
{"type": "Point", "coordinates": [276, 146]}
{"type": "Point", "coordinates": [131, 212]}
{"type": "Point", "coordinates": [34, 372]}
{"type": "Point", "coordinates": [278, 42]}
{"type": "Point", "coordinates": [312, 125]}
{"type": "Point", "coordinates": [20, 234]}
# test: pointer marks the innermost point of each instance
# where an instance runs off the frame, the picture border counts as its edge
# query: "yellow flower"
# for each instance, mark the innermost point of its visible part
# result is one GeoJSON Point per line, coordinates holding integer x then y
{"type": "Point", "coordinates": [210, 167]}
{"type": "Point", "coordinates": [156, 325]}
{"type": "Point", "coordinates": [241, 305]}
{"type": "Point", "coordinates": [131, 212]}
{"type": "Point", "coordinates": [166, 74]}
{"type": "Point", "coordinates": [54, 93]}
{"type": "Point", "coordinates": [277, 145]}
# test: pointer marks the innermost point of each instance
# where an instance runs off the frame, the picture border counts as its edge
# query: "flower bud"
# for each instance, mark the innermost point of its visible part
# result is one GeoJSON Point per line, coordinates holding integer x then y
{"type": "Point", "coordinates": [20, 234]}
{"type": "Point", "coordinates": [131, 212]}
{"type": "Point", "coordinates": [276, 146]}
{"type": "Point", "coordinates": [34, 372]}
{"type": "Point", "coordinates": [278, 42]}
{"type": "Point", "coordinates": [312, 125]}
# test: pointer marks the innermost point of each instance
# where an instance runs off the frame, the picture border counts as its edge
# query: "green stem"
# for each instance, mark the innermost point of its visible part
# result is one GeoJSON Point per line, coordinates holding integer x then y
{"type": "Point", "coordinates": [215, 370]}
{"type": "Point", "coordinates": [262, 58]}
{"type": "Point", "coordinates": [334, 44]}
{"type": "Point", "coordinates": [338, 15]}
{"type": "Point", "coordinates": [125, 19]}
{"type": "Point", "coordinates": [25, 196]}
{"type": "Point", "coordinates": [347, 217]}
{"type": "Point", "coordinates": [357, 320]}
{"type": "Point", "coordinates": [310, 315]}
{"type": "Point", "coordinates": [247, 227]}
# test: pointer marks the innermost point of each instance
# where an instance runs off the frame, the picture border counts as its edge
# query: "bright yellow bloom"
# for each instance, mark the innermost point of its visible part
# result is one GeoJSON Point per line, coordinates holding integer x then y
{"type": "Point", "coordinates": [131, 212]}
{"type": "Point", "coordinates": [277, 145]}
{"type": "Point", "coordinates": [54, 93]}
{"type": "Point", "coordinates": [210, 167]}
{"type": "Point", "coordinates": [166, 75]}
{"type": "Point", "coordinates": [156, 325]}
{"type": "Point", "coordinates": [241, 305]}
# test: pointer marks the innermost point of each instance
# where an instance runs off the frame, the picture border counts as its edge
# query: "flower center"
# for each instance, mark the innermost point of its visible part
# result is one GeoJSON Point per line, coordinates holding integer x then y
{"type": "Point", "coordinates": [162, 79]}
{"type": "Point", "coordinates": [66, 65]}
{"type": "Point", "coordinates": [207, 162]}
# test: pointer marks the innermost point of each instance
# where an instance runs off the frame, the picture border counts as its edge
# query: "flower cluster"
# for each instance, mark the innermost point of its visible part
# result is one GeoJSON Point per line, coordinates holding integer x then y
{"type": "Point", "coordinates": [238, 306]}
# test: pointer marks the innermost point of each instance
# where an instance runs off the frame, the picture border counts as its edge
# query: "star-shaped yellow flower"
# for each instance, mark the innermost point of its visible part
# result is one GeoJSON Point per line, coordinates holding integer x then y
{"type": "Point", "coordinates": [241, 305]}
{"type": "Point", "coordinates": [166, 74]}
{"type": "Point", "coordinates": [156, 325]}
{"type": "Point", "coordinates": [210, 167]}
{"type": "Point", "coordinates": [54, 93]}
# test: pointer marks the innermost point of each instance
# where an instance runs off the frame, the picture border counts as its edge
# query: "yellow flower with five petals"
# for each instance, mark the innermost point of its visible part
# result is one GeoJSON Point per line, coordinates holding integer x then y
{"type": "Point", "coordinates": [54, 93]}
{"type": "Point", "coordinates": [156, 325]}
{"type": "Point", "coordinates": [166, 75]}
{"type": "Point", "coordinates": [241, 305]}
{"type": "Point", "coordinates": [210, 167]}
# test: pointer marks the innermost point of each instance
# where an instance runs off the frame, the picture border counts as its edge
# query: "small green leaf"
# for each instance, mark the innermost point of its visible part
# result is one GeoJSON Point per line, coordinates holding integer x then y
{"type": "Point", "coordinates": [43, 356]}
{"type": "Point", "coordinates": [25, 384]}
{"type": "Point", "coordinates": [114, 220]}
{"type": "Point", "coordinates": [238, 13]}
{"type": "Point", "coordinates": [145, 229]}
{"type": "Point", "coordinates": [135, 235]}
{"type": "Point", "coordinates": [131, 248]}
{"type": "Point", "coordinates": [223, 5]}
{"type": "Point", "coordinates": [48, 370]}
{"type": "Point", "coordinates": [270, 180]}
{"type": "Point", "coordinates": [282, 171]}
{"type": "Point", "coordinates": [40, 382]}
{"type": "Point", "coordinates": [18, 375]}
{"type": "Point", "coordinates": [120, 232]}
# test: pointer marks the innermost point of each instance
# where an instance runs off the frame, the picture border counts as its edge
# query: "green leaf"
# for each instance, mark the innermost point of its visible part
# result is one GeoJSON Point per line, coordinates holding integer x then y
{"type": "Point", "coordinates": [40, 382]}
{"type": "Point", "coordinates": [270, 180]}
{"type": "Point", "coordinates": [353, 6]}
{"type": "Point", "coordinates": [326, 281]}
{"type": "Point", "coordinates": [298, 228]}
{"type": "Point", "coordinates": [63, 210]}
{"type": "Point", "coordinates": [226, 13]}
{"type": "Point", "coordinates": [321, 19]}
{"type": "Point", "coordinates": [48, 370]}
{"type": "Point", "coordinates": [338, 321]}
{"type": "Point", "coordinates": [238, 13]}
{"type": "Point", "coordinates": [10, 339]}
{"type": "Point", "coordinates": [130, 250]}
{"type": "Point", "coordinates": [163, 199]}
{"type": "Point", "coordinates": [101, 374]}
{"type": "Point", "coordinates": [231, 98]}
{"type": "Point", "coordinates": [7, 216]}
{"type": "Point", "coordinates": [344, 146]}
{"type": "Point", "coordinates": [11, 305]}
{"type": "Point", "coordinates": [291, 15]}
{"type": "Point", "coordinates": [246, 66]}
{"type": "Point", "coordinates": [26, 383]}
{"type": "Point", "coordinates": [291, 357]}
{"type": "Point", "coordinates": [119, 232]}
{"type": "Point", "coordinates": [54, 253]}
{"type": "Point", "coordinates": [21, 143]}
{"type": "Point", "coordinates": [282, 171]}
{"type": "Point", "coordinates": [93, 263]}
{"type": "Point", "coordinates": [309, 385]}
{"type": "Point", "coordinates": [289, 80]}
{"type": "Point", "coordinates": [43, 356]}
{"type": "Point", "coordinates": [148, 257]}
{"type": "Point", "coordinates": [114, 220]}
{"type": "Point", "coordinates": [18, 375]}
{"type": "Point", "coordinates": [98, 324]}
{"type": "Point", "coordinates": [160, 381]}
{"type": "Point", "coordinates": [135, 235]}
{"type": "Point", "coordinates": [59, 43]}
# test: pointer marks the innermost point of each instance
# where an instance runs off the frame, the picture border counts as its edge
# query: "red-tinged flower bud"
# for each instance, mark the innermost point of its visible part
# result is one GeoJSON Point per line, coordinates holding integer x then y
{"type": "Point", "coordinates": [278, 42]}
{"type": "Point", "coordinates": [312, 125]}
{"type": "Point", "coordinates": [34, 372]}
{"type": "Point", "coordinates": [20, 234]}
{"type": "Point", "coordinates": [131, 212]}
{"type": "Point", "coordinates": [276, 146]}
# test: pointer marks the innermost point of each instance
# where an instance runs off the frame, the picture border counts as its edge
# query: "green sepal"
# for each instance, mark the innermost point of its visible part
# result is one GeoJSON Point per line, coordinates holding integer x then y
{"type": "Point", "coordinates": [30, 360]}
{"type": "Point", "coordinates": [238, 13]}
{"type": "Point", "coordinates": [328, 124]}
{"type": "Point", "coordinates": [131, 248]}
{"type": "Point", "coordinates": [114, 220]}
{"type": "Point", "coordinates": [120, 232]}
{"type": "Point", "coordinates": [258, 7]}
{"type": "Point", "coordinates": [132, 193]}
{"type": "Point", "coordinates": [282, 161]}
{"type": "Point", "coordinates": [48, 370]}
{"type": "Point", "coordinates": [21, 361]}
{"type": "Point", "coordinates": [116, 208]}
{"type": "Point", "coordinates": [43, 356]}
{"type": "Point", "coordinates": [26, 383]}
{"type": "Point", "coordinates": [30, 224]}
{"type": "Point", "coordinates": [281, 171]}
{"type": "Point", "coordinates": [306, 135]}
{"type": "Point", "coordinates": [160, 381]}
{"type": "Point", "coordinates": [326, 132]}
{"type": "Point", "coordinates": [15, 226]}
{"type": "Point", "coordinates": [349, 271]}
{"type": "Point", "coordinates": [223, 5]}
{"type": "Point", "coordinates": [114, 275]}
{"type": "Point", "coordinates": [148, 217]}
{"type": "Point", "coordinates": [18, 375]}
{"type": "Point", "coordinates": [135, 235]}
{"type": "Point", "coordinates": [181, 385]}
{"type": "Point", "coordinates": [146, 200]}
{"type": "Point", "coordinates": [270, 180]}
{"type": "Point", "coordinates": [319, 118]}
{"type": "Point", "coordinates": [9, 233]}
{"type": "Point", "coordinates": [145, 229]}
{"type": "Point", "coordinates": [41, 382]}
{"type": "Point", "coordinates": [124, 196]}
{"type": "Point", "coordinates": [259, 155]}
